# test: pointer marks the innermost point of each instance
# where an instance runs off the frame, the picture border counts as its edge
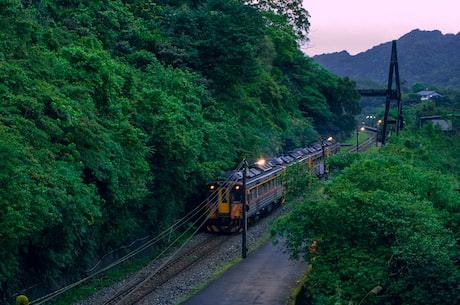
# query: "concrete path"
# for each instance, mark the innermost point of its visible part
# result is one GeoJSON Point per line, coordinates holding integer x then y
{"type": "Point", "coordinates": [265, 277]}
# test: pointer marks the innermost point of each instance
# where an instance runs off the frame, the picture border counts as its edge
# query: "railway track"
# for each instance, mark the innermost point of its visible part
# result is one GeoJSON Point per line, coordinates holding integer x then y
{"type": "Point", "coordinates": [364, 145]}
{"type": "Point", "coordinates": [145, 284]}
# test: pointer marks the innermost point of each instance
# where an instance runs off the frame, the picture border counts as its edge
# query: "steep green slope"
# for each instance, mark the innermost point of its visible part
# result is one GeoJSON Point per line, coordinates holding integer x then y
{"type": "Point", "coordinates": [114, 113]}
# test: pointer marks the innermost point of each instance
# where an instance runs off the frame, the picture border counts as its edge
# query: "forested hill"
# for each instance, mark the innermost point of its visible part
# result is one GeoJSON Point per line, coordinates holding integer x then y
{"type": "Point", "coordinates": [113, 114]}
{"type": "Point", "coordinates": [427, 57]}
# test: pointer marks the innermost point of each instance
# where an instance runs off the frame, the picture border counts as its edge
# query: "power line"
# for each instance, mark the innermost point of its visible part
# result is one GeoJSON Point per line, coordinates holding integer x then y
{"type": "Point", "coordinates": [200, 209]}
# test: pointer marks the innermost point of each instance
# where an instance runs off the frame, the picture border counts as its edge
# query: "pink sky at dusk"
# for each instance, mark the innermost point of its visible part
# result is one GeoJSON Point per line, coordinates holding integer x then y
{"type": "Point", "coordinates": [358, 25]}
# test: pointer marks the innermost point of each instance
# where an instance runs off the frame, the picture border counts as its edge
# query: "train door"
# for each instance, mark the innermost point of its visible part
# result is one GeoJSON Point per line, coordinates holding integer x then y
{"type": "Point", "coordinates": [224, 201]}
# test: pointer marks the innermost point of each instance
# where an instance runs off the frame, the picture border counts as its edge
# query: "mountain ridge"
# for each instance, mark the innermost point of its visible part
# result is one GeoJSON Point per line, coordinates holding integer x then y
{"type": "Point", "coordinates": [427, 57]}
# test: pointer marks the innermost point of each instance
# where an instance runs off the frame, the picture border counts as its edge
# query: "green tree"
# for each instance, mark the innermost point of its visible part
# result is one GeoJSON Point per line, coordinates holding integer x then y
{"type": "Point", "coordinates": [114, 113]}
{"type": "Point", "coordinates": [378, 228]}
{"type": "Point", "coordinates": [297, 17]}
{"type": "Point", "coordinates": [418, 87]}
{"type": "Point", "coordinates": [218, 38]}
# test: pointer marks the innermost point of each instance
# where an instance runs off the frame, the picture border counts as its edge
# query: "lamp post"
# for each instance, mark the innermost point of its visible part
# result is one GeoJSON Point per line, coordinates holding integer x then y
{"type": "Point", "coordinates": [245, 207]}
{"type": "Point", "coordinates": [244, 249]}
{"type": "Point", "coordinates": [357, 137]}
{"type": "Point", "coordinates": [323, 150]}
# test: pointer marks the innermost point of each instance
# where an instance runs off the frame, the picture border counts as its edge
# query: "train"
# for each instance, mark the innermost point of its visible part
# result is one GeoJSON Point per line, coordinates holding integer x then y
{"type": "Point", "coordinates": [264, 186]}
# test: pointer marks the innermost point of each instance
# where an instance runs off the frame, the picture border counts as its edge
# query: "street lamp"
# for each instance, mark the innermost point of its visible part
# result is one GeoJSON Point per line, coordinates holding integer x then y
{"type": "Point", "coordinates": [323, 150]}
{"type": "Point", "coordinates": [357, 136]}
{"type": "Point", "coordinates": [244, 248]}
{"type": "Point", "coordinates": [261, 162]}
{"type": "Point", "coordinates": [378, 132]}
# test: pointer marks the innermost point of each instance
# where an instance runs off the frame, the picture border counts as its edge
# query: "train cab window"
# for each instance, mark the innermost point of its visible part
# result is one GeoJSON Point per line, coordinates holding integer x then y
{"type": "Point", "coordinates": [237, 193]}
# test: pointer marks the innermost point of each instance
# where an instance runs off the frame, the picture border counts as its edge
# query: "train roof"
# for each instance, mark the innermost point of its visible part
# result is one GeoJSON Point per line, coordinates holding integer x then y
{"type": "Point", "coordinates": [275, 164]}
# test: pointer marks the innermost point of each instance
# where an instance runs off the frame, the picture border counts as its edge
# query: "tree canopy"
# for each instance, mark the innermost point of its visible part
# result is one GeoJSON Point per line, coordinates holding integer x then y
{"type": "Point", "coordinates": [114, 114]}
{"type": "Point", "coordinates": [385, 227]}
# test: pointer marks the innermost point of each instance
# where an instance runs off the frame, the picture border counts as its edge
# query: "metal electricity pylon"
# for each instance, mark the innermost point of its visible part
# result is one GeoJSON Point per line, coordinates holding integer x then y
{"type": "Point", "coordinates": [390, 93]}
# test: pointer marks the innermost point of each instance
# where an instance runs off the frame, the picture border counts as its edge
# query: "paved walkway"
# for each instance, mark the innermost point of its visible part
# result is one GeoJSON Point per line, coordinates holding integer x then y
{"type": "Point", "coordinates": [265, 277]}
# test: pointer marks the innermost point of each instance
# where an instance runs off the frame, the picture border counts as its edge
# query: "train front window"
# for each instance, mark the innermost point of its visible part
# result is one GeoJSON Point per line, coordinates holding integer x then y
{"type": "Point", "coordinates": [237, 193]}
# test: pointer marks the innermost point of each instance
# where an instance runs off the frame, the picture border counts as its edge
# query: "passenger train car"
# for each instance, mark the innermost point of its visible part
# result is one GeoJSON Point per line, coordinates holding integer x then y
{"type": "Point", "coordinates": [265, 187]}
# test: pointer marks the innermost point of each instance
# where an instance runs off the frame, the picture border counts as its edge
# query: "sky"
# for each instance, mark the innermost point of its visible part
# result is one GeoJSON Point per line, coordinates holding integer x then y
{"type": "Point", "coordinates": [358, 25]}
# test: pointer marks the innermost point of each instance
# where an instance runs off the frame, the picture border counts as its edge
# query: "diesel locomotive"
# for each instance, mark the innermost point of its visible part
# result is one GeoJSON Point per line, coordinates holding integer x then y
{"type": "Point", "coordinates": [264, 186]}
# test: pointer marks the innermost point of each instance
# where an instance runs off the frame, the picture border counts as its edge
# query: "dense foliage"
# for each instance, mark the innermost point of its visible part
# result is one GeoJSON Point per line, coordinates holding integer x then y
{"type": "Point", "coordinates": [386, 226]}
{"type": "Point", "coordinates": [114, 113]}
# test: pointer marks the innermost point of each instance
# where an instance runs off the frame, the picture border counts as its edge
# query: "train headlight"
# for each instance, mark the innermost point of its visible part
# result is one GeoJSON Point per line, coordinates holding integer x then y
{"type": "Point", "coordinates": [212, 187]}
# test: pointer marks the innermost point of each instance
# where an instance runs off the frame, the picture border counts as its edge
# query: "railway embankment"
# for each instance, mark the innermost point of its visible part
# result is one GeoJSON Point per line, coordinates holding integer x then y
{"type": "Point", "coordinates": [191, 281]}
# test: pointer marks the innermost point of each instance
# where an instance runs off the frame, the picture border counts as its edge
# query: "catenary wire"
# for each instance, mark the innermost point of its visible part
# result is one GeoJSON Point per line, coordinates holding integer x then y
{"type": "Point", "coordinates": [178, 224]}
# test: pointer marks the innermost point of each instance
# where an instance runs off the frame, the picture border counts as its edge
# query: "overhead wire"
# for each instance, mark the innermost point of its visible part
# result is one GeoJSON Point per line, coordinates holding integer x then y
{"type": "Point", "coordinates": [136, 251]}
{"type": "Point", "coordinates": [175, 253]}
{"type": "Point", "coordinates": [230, 181]}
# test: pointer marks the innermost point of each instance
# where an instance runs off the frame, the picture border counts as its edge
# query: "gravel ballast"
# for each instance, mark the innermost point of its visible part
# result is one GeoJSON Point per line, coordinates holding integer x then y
{"type": "Point", "coordinates": [185, 284]}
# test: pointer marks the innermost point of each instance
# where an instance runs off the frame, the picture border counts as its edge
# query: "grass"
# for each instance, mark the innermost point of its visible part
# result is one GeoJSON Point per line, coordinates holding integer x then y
{"type": "Point", "coordinates": [362, 136]}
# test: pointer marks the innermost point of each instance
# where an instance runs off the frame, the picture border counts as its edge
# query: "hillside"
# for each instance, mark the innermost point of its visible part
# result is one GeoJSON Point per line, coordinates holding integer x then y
{"type": "Point", "coordinates": [114, 114]}
{"type": "Point", "coordinates": [427, 57]}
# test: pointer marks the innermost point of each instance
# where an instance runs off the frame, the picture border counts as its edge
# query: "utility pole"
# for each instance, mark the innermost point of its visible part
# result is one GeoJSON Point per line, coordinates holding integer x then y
{"type": "Point", "coordinates": [244, 249]}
